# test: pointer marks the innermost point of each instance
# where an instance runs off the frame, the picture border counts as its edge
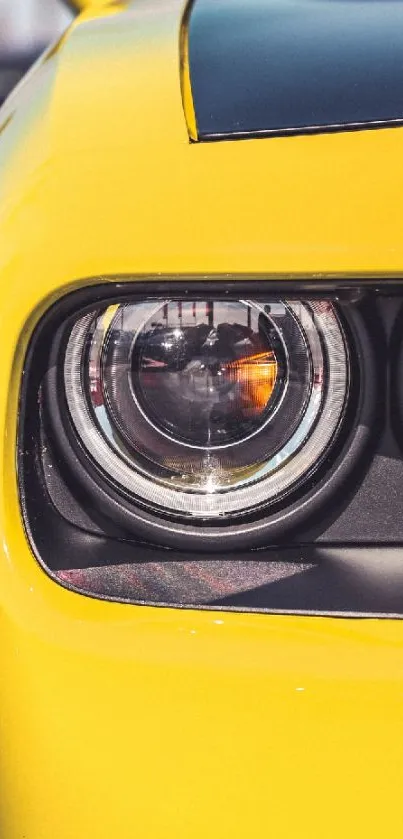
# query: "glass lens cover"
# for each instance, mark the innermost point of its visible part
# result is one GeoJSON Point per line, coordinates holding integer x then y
{"type": "Point", "coordinates": [207, 407]}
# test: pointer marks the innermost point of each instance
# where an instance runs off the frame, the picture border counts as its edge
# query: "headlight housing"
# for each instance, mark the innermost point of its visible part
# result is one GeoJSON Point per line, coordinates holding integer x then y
{"type": "Point", "coordinates": [209, 408]}
{"type": "Point", "coordinates": [214, 394]}
{"type": "Point", "coordinates": [221, 417]}
{"type": "Point", "coordinates": [216, 418]}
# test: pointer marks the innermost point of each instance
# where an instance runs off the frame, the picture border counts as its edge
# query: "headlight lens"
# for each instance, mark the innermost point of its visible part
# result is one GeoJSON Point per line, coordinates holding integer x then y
{"type": "Point", "coordinates": [207, 407]}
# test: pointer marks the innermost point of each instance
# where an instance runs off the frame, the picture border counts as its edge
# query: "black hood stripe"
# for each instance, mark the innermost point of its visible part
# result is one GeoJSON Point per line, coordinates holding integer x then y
{"type": "Point", "coordinates": [295, 66]}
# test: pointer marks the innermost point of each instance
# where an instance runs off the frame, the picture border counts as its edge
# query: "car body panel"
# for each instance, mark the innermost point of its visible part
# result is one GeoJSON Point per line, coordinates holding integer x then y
{"type": "Point", "coordinates": [119, 720]}
{"type": "Point", "coordinates": [120, 180]}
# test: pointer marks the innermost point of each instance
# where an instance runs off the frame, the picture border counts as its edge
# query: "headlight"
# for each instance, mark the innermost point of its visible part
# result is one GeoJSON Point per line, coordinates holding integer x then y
{"type": "Point", "coordinates": [206, 408]}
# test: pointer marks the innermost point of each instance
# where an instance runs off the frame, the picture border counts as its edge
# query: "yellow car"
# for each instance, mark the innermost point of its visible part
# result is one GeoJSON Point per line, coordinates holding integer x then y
{"type": "Point", "coordinates": [201, 424]}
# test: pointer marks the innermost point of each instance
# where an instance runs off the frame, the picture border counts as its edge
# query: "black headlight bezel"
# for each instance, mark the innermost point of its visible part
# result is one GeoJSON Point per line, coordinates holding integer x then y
{"type": "Point", "coordinates": [321, 493]}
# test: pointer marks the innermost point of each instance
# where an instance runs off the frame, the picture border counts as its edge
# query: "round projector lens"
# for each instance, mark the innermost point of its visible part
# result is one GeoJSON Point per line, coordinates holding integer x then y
{"type": "Point", "coordinates": [207, 407]}
{"type": "Point", "coordinates": [217, 374]}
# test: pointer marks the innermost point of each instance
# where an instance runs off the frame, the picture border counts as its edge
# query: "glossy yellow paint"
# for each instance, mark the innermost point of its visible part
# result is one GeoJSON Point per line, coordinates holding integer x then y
{"type": "Point", "coordinates": [186, 84]}
{"type": "Point", "coordinates": [83, 5]}
{"type": "Point", "coordinates": [121, 721]}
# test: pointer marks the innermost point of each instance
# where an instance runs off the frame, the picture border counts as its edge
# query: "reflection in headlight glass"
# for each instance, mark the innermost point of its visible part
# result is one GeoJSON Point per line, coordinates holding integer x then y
{"type": "Point", "coordinates": [207, 407]}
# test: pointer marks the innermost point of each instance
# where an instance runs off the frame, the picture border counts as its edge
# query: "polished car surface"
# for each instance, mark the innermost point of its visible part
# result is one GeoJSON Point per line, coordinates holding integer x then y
{"type": "Point", "coordinates": [121, 718]}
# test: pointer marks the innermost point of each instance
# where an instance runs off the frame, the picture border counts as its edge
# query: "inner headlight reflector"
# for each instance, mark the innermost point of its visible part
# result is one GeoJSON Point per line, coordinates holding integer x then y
{"type": "Point", "coordinates": [207, 407]}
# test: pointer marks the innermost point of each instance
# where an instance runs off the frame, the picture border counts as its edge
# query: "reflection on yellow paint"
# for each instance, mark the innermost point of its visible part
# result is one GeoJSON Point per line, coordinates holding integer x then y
{"type": "Point", "coordinates": [108, 316]}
